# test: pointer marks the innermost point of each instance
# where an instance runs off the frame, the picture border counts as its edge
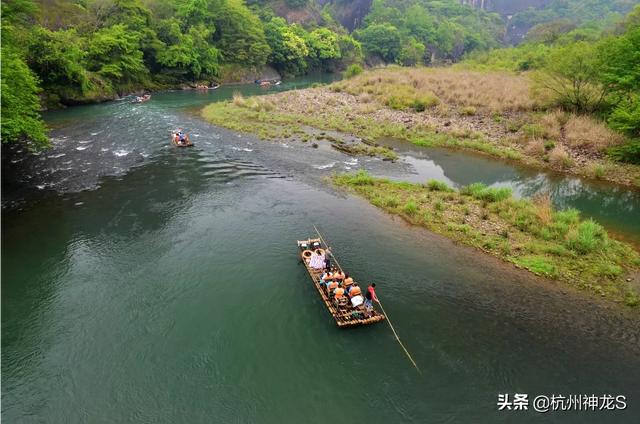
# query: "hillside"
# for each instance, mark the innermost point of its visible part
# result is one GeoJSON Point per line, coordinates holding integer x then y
{"type": "Point", "coordinates": [522, 15]}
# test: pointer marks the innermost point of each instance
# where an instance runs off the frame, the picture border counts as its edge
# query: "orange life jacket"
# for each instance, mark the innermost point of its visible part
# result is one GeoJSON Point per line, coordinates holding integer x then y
{"type": "Point", "coordinates": [348, 281]}
{"type": "Point", "coordinates": [355, 290]}
{"type": "Point", "coordinates": [328, 277]}
{"type": "Point", "coordinates": [333, 285]}
{"type": "Point", "coordinates": [339, 292]}
{"type": "Point", "coordinates": [338, 276]}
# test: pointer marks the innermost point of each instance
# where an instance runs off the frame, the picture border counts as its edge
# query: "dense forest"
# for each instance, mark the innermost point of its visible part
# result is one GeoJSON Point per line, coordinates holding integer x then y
{"type": "Point", "coordinates": [66, 52]}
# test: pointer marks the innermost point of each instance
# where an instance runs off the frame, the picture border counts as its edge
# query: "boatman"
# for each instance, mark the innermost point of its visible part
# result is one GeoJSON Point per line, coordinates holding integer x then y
{"type": "Point", "coordinates": [371, 296]}
{"type": "Point", "coordinates": [327, 260]}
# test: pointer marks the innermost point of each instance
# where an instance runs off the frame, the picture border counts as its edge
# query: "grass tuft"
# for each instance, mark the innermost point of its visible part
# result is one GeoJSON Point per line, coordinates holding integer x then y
{"type": "Point", "coordinates": [481, 192]}
{"type": "Point", "coordinates": [435, 185]}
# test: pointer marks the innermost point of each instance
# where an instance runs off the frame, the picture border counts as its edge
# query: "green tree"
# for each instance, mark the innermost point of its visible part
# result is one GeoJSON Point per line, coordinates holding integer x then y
{"type": "Point", "coordinates": [114, 54]}
{"type": "Point", "coordinates": [20, 113]}
{"type": "Point", "coordinates": [239, 33]}
{"type": "Point", "coordinates": [382, 40]}
{"type": "Point", "coordinates": [620, 61]}
{"type": "Point", "coordinates": [350, 50]}
{"type": "Point", "coordinates": [323, 44]}
{"type": "Point", "coordinates": [572, 77]}
{"type": "Point", "coordinates": [620, 73]}
{"type": "Point", "coordinates": [412, 53]}
{"type": "Point", "coordinates": [289, 51]}
{"type": "Point", "coordinates": [20, 102]}
{"type": "Point", "coordinates": [188, 53]}
{"type": "Point", "coordinates": [549, 32]}
{"type": "Point", "coordinates": [625, 117]}
{"type": "Point", "coordinates": [58, 57]}
{"type": "Point", "coordinates": [420, 24]}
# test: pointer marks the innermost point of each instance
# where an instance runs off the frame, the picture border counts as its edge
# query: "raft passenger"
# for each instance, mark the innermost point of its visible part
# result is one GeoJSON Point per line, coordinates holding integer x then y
{"type": "Point", "coordinates": [331, 286]}
{"type": "Point", "coordinates": [348, 281]}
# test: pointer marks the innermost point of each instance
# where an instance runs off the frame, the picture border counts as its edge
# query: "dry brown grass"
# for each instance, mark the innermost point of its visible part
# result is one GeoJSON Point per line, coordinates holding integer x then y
{"type": "Point", "coordinates": [543, 207]}
{"type": "Point", "coordinates": [552, 123]}
{"type": "Point", "coordinates": [535, 148]}
{"type": "Point", "coordinates": [497, 92]}
{"type": "Point", "coordinates": [559, 157]}
{"type": "Point", "coordinates": [586, 132]}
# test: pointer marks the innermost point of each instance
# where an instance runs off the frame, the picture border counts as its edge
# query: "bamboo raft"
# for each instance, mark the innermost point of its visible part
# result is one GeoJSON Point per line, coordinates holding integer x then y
{"type": "Point", "coordinates": [345, 315]}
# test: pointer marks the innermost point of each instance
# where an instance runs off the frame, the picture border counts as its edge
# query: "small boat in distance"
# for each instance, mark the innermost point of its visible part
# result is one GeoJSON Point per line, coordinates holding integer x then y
{"type": "Point", "coordinates": [180, 139]}
{"type": "Point", "coordinates": [142, 99]}
{"type": "Point", "coordinates": [268, 82]}
{"type": "Point", "coordinates": [347, 311]}
{"type": "Point", "coordinates": [207, 87]}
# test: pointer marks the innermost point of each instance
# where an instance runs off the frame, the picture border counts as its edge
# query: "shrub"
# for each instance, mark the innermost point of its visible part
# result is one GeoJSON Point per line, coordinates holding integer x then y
{"type": "Point", "coordinates": [626, 116]}
{"type": "Point", "coordinates": [628, 152]}
{"type": "Point", "coordinates": [587, 237]}
{"type": "Point", "coordinates": [570, 77]}
{"type": "Point", "coordinates": [435, 185]}
{"type": "Point", "coordinates": [352, 70]}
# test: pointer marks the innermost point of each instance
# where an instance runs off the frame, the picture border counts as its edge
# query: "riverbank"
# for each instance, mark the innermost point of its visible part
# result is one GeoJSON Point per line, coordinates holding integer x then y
{"type": "Point", "coordinates": [491, 113]}
{"type": "Point", "coordinates": [230, 75]}
{"type": "Point", "coordinates": [555, 244]}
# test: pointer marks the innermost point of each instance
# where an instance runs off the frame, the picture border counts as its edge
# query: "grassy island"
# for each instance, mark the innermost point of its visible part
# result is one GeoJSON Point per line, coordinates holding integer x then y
{"type": "Point", "coordinates": [555, 244]}
{"type": "Point", "coordinates": [493, 113]}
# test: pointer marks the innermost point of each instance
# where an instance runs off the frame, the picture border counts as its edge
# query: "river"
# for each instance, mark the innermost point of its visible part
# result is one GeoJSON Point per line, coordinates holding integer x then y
{"type": "Point", "coordinates": [144, 283]}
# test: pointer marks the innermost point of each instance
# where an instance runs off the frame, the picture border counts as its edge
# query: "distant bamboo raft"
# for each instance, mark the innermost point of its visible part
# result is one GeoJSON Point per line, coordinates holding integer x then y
{"type": "Point", "coordinates": [345, 316]}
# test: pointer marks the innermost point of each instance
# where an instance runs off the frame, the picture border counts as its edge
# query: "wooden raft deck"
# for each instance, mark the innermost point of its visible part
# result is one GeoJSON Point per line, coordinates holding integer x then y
{"type": "Point", "coordinates": [347, 316]}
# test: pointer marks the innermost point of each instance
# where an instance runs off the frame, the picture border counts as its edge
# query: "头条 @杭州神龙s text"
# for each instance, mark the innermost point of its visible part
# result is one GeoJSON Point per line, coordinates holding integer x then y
{"type": "Point", "coordinates": [559, 403]}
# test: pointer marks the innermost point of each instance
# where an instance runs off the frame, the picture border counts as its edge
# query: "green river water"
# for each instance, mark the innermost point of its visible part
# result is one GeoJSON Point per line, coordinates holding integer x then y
{"type": "Point", "coordinates": [144, 283]}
